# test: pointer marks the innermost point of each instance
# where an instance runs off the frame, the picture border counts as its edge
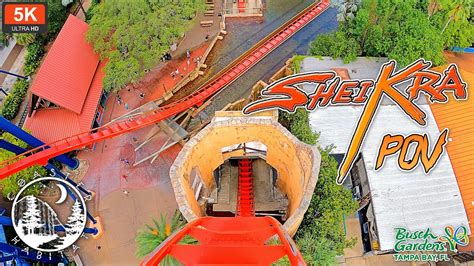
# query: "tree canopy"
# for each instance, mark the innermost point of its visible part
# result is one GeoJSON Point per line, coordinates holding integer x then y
{"type": "Point", "coordinates": [400, 30]}
{"type": "Point", "coordinates": [134, 35]}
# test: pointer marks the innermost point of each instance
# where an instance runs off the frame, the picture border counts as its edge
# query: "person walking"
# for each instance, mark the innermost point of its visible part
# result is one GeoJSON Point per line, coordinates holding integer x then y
{"type": "Point", "coordinates": [126, 162]}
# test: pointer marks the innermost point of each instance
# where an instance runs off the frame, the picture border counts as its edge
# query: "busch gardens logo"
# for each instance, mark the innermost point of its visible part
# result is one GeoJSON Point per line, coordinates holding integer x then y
{"type": "Point", "coordinates": [427, 241]}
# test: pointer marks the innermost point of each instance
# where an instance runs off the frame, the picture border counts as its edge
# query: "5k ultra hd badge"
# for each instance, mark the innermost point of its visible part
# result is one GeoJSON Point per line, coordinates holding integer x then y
{"type": "Point", "coordinates": [24, 17]}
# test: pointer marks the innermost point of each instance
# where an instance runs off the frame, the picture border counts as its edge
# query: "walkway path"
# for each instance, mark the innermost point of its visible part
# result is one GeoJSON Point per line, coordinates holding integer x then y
{"type": "Point", "coordinates": [148, 185]}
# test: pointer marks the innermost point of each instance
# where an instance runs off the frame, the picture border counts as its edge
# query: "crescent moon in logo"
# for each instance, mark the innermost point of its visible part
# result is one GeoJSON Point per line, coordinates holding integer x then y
{"type": "Point", "coordinates": [63, 196]}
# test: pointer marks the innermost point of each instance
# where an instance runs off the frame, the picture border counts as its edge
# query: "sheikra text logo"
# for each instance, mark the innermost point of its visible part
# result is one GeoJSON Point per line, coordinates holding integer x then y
{"type": "Point", "coordinates": [408, 242]}
{"type": "Point", "coordinates": [285, 94]}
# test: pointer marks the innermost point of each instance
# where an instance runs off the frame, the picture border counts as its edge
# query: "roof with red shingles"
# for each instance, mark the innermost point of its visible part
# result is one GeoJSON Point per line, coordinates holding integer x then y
{"type": "Point", "coordinates": [71, 77]}
{"type": "Point", "coordinates": [66, 73]}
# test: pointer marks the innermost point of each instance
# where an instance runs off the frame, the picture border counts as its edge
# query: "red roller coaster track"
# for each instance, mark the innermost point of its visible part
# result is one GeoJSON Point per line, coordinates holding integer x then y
{"type": "Point", "coordinates": [245, 205]}
{"type": "Point", "coordinates": [229, 241]}
{"type": "Point", "coordinates": [240, 240]}
{"type": "Point", "coordinates": [42, 154]}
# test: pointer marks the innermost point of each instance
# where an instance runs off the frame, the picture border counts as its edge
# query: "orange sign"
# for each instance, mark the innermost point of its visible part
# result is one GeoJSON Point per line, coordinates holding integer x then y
{"type": "Point", "coordinates": [24, 17]}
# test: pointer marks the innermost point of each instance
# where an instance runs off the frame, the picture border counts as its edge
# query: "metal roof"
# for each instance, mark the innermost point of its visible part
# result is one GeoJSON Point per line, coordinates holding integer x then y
{"type": "Point", "coordinates": [66, 73]}
{"type": "Point", "coordinates": [400, 199]}
{"type": "Point", "coordinates": [51, 124]}
{"type": "Point", "coordinates": [458, 117]}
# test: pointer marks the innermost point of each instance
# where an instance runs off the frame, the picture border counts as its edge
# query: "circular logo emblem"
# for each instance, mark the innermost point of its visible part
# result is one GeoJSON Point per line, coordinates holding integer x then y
{"type": "Point", "coordinates": [53, 223]}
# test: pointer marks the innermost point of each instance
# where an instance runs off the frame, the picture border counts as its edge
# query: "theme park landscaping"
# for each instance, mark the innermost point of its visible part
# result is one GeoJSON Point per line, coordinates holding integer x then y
{"type": "Point", "coordinates": [400, 30]}
{"type": "Point", "coordinates": [133, 37]}
{"type": "Point", "coordinates": [329, 205]}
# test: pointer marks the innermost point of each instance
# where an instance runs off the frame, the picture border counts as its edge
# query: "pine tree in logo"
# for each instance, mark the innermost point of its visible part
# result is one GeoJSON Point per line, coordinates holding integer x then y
{"type": "Point", "coordinates": [31, 219]}
{"type": "Point", "coordinates": [75, 220]}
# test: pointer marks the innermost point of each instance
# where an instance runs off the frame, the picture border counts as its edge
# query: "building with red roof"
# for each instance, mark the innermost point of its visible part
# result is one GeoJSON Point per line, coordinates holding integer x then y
{"type": "Point", "coordinates": [66, 93]}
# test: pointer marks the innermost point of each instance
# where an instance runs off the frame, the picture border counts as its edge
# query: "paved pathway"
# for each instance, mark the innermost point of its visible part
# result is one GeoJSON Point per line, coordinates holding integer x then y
{"type": "Point", "coordinates": [148, 185]}
{"type": "Point", "coordinates": [123, 216]}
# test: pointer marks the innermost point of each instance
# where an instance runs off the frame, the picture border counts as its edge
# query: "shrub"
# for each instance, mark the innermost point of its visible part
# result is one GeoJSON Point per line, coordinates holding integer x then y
{"type": "Point", "coordinates": [4, 39]}
{"type": "Point", "coordinates": [298, 125]}
{"type": "Point", "coordinates": [35, 52]}
{"type": "Point", "coordinates": [24, 38]}
{"type": "Point", "coordinates": [12, 102]}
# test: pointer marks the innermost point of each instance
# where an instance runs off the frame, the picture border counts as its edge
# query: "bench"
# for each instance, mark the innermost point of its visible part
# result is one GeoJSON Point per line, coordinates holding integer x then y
{"type": "Point", "coordinates": [206, 23]}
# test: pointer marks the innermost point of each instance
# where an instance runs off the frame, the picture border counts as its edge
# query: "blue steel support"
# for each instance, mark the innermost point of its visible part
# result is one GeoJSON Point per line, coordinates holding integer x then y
{"type": "Point", "coordinates": [58, 173]}
{"type": "Point", "coordinates": [34, 142]}
{"type": "Point", "coordinates": [19, 150]}
{"type": "Point", "coordinates": [31, 254]}
{"type": "Point", "coordinates": [7, 221]}
{"type": "Point", "coordinates": [11, 147]}
{"type": "Point", "coordinates": [13, 74]}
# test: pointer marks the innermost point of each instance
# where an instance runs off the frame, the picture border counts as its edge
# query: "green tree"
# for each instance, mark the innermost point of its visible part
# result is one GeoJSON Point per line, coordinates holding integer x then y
{"type": "Point", "coordinates": [57, 15]}
{"type": "Point", "coordinates": [455, 19]}
{"type": "Point", "coordinates": [10, 186]}
{"type": "Point", "coordinates": [337, 45]}
{"type": "Point", "coordinates": [401, 30]}
{"type": "Point", "coordinates": [134, 35]}
{"type": "Point", "coordinates": [321, 236]}
{"type": "Point", "coordinates": [153, 235]}
{"type": "Point", "coordinates": [458, 10]}
{"type": "Point", "coordinates": [406, 42]}
{"type": "Point", "coordinates": [329, 205]}
{"type": "Point", "coordinates": [298, 124]}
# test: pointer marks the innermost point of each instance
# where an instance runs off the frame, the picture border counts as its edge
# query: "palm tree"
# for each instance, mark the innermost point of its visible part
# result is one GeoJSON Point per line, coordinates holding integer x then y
{"type": "Point", "coordinates": [459, 9]}
{"type": "Point", "coordinates": [153, 235]}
